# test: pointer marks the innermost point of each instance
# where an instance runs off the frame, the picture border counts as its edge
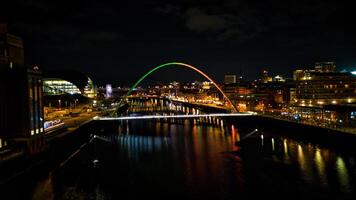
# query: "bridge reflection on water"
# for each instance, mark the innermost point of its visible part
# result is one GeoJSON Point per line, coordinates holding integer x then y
{"type": "Point", "coordinates": [157, 108]}
{"type": "Point", "coordinates": [201, 158]}
{"type": "Point", "coordinates": [192, 159]}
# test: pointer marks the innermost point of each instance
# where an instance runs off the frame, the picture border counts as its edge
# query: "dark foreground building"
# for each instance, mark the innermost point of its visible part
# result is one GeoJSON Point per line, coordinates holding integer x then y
{"type": "Point", "coordinates": [21, 110]}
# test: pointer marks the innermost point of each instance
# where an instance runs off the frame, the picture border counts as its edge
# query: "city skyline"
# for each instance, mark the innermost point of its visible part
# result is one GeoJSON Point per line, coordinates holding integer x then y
{"type": "Point", "coordinates": [197, 99]}
{"type": "Point", "coordinates": [117, 43]}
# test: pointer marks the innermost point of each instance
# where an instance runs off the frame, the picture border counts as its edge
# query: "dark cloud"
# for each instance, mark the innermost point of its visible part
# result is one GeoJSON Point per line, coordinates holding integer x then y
{"type": "Point", "coordinates": [169, 9]}
{"type": "Point", "coordinates": [223, 23]}
{"type": "Point", "coordinates": [199, 21]}
{"type": "Point", "coordinates": [117, 40]}
{"type": "Point", "coordinates": [245, 20]}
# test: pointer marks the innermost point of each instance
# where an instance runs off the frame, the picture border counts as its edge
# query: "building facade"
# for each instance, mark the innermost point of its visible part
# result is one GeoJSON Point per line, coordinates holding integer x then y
{"type": "Point", "coordinates": [21, 102]}
{"type": "Point", "coordinates": [326, 88]}
{"type": "Point", "coordinates": [324, 96]}
{"type": "Point", "coordinates": [68, 82]}
{"type": "Point", "coordinates": [229, 79]}
{"type": "Point", "coordinates": [325, 67]}
{"type": "Point", "coordinates": [11, 48]}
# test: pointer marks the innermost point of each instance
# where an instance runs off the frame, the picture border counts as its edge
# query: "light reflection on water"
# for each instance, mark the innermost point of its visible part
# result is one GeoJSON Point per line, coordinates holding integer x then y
{"type": "Point", "coordinates": [199, 158]}
{"type": "Point", "coordinates": [202, 151]}
{"type": "Point", "coordinates": [342, 173]}
{"type": "Point", "coordinates": [320, 165]}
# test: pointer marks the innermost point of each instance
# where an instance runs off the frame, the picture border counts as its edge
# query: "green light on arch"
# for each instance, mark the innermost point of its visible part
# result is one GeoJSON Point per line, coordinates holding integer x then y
{"type": "Point", "coordinates": [184, 65]}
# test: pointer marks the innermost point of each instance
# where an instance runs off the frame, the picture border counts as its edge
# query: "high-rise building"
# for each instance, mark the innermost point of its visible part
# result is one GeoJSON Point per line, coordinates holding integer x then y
{"type": "Point", "coordinates": [230, 79]}
{"type": "Point", "coordinates": [21, 102]}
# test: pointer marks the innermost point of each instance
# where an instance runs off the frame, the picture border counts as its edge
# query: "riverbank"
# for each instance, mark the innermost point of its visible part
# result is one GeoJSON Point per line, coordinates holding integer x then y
{"type": "Point", "coordinates": [307, 133]}
{"type": "Point", "coordinates": [58, 146]}
{"type": "Point", "coordinates": [71, 124]}
{"type": "Point", "coordinates": [348, 130]}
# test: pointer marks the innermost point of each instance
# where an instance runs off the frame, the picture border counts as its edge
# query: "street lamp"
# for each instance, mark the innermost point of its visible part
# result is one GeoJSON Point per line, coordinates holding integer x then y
{"type": "Point", "coordinates": [59, 104]}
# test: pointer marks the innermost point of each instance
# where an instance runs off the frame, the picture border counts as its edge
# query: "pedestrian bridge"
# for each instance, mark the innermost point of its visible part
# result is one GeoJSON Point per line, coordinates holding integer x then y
{"type": "Point", "coordinates": [176, 116]}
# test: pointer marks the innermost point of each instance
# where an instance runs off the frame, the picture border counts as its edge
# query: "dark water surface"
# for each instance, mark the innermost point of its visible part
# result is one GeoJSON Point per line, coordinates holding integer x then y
{"type": "Point", "coordinates": [189, 159]}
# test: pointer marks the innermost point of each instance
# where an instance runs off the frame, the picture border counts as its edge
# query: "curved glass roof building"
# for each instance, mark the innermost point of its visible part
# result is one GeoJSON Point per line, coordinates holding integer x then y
{"type": "Point", "coordinates": [68, 82]}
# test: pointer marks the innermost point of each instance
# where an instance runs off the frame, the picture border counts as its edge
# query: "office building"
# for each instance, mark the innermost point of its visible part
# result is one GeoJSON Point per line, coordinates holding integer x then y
{"type": "Point", "coordinates": [326, 88]}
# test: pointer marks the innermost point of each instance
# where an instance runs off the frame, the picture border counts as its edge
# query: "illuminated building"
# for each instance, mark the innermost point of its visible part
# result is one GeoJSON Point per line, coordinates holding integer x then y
{"type": "Point", "coordinates": [298, 74]}
{"type": "Point", "coordinates": [229, 79]}
{"type": "Point", "coordinates": [322, 85]}
{"type": "Point", "coordinates": [108, 91]}
{"type": "Point", "coordinates": [279, 78]}
{"type": "Point", "coordinates": [68, 82]}
{"type": "Point", "coordinates": [301, 74]}
{"type": "Point", "coordinates": [59, 86]}
{"type": "Point", "coordinates": [325, 96]}
{"type": "Point", "coordinates": [207, 85]}
{"type": "Point", "coordinates": [325, 67]}
{"type": "Point", "coordinates": [21, 106]}
{"type": "Point", "coordinates": [326, 88]}
{"type": "Point", "coordinates": [265, 77]}
{"type": "Point", "coordinates": [273, 95]}
{"type": "Point", "coordinates": [320, 67]}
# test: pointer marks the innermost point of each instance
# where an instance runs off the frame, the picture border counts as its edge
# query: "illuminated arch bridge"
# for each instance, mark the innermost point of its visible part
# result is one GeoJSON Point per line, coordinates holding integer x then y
{"type": "Point", "coordinates": [182, 65]}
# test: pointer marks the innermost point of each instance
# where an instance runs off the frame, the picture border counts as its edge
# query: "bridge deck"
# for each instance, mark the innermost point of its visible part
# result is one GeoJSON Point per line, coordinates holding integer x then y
{"type": "Point", "coordinates": [175, 116]}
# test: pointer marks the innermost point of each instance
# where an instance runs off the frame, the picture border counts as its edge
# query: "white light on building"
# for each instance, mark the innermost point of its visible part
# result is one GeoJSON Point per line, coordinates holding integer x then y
{"type": "Point", "coordinates": [108, 91]}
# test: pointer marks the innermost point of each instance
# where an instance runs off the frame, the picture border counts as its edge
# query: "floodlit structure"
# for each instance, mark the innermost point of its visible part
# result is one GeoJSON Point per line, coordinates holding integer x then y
{"type": "Point", "coordinates": [68, 82]}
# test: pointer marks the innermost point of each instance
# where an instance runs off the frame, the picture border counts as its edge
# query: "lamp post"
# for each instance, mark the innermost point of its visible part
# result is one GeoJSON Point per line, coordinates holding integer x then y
{"type": "Point", "coordinates": [59, 104]}
{"type": "Point", "coordinates": [75, 103]}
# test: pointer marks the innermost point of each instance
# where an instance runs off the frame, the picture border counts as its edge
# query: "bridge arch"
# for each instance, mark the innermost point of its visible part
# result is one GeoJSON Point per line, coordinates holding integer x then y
{"type": "Point", "coordinates": [183, 65]}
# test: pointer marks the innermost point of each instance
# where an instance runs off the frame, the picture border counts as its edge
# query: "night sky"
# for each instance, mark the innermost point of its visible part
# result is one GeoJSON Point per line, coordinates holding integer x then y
{"type": "Point", "coordinates": [116, 42]}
